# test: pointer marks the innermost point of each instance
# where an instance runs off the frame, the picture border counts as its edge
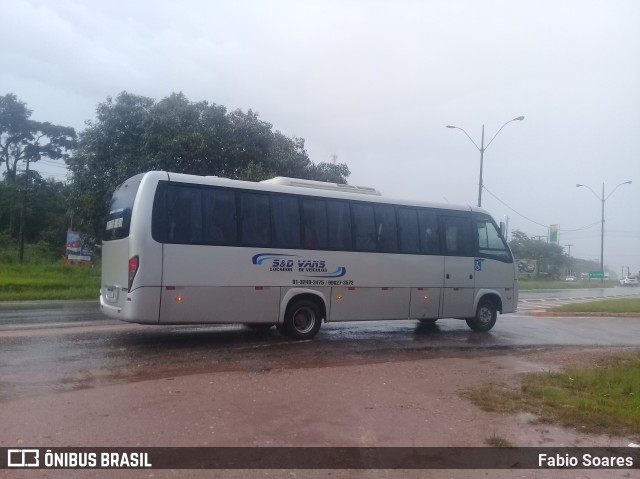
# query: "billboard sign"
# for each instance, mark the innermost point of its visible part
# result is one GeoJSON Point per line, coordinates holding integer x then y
{"type": "Point", "coordinates": [79, 246]}
{"type": "Point", "coordinates": [553, 234]}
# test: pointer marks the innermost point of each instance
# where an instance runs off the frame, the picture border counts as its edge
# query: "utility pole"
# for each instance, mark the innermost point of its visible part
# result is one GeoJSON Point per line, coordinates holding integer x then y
{"type": "Point", "coordinates": [569, 246]}
{"type": "Point", "coordinates": [482, 148]}
{"type": "Point", "coordinates": [23, 214]}
{"type": "Point", "coordinates": [602, 199]}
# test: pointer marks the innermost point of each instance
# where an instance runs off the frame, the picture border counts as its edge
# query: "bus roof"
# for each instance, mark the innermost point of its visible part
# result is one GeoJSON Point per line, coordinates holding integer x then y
{"type": "Point", "coordinates": [321, 185]}
{"type": "Point", "coordinates": [308, 188]}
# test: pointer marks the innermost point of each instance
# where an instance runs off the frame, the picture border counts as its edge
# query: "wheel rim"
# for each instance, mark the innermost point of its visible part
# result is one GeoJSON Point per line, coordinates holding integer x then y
{"type": "Point", "coordinates": [303, 320]}
{"type": "Point", "coordinates": [485, 315]}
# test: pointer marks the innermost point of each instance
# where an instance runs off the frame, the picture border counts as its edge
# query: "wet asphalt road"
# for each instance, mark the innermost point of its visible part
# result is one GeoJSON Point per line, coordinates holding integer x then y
{"type": "Point", "coordinates": [71, 346]}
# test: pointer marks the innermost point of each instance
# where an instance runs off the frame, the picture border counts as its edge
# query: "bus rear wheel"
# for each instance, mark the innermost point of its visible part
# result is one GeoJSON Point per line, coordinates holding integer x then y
{"type": "Point", "coordinates": [485, 317]}
{"type": "Point", "coordinates": [302, 320]}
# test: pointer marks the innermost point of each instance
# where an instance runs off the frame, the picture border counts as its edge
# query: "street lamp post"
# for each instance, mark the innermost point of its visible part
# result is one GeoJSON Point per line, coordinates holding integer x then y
{"type": "Point", "coordinates": [602, 200]}
{"type": "Point", "coordinates": [482, 149]}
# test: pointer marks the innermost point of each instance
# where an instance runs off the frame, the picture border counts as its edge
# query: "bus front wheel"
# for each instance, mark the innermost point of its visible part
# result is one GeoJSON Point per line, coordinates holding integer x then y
{"type": "Point", "coordinates": [302, 320]}
{"type": "Point", "coordinates": [485, 317]}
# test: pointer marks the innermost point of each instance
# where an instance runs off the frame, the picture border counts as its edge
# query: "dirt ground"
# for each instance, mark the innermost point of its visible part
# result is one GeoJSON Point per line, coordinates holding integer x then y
{"type": "Point", "coordinates": [396, 403]}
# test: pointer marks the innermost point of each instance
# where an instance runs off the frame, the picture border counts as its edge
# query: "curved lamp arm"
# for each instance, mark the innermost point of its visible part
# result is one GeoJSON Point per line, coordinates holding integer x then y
{"type": "Point", "coordinates": [613, 191]}
{"type": "Point", "coordinates": [520, 118]}
{"type": "Point", "coordinates": [463, 131]}
{"type": "Point", "coordinates": [589, 188]}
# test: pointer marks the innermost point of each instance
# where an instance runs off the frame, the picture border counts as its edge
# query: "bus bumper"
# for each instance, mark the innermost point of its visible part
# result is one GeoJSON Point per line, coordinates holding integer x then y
{"type": "Point", "coordinates": [139, 306]}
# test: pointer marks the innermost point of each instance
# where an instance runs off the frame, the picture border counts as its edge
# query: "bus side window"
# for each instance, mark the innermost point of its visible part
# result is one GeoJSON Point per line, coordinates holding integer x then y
{"type": "Point", "coordinates": [314, 217]}
{"type": "Point", "coordinates": [339, 225]}
{"type": "Point", "coordinates": [458, 240]}
{"type": "Point", "coordinates": [220, 217]}
{"type": "Point", "coordinates": [429, 237]}
{"type": "Point", "coordinates": [285, 218]}
{"type": "Point", "coordinates": [490, 242]}
{"type": "Point", "coordinates": [386, 229]}
{"type": "Point", "coordinates": [409, 230]}
{"type": "Point", "coordinates": [255, 219]}
{"type": "Point", "coordinates": [159, 219]}
{"type": "Point", "coordinates": [184, 213]}
{"type": "Point", "coordinates": [364, 226]}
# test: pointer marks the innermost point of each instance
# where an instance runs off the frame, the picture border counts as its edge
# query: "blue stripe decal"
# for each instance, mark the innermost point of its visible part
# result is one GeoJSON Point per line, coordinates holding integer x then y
{"type": "Point", "coordinates": [261, 257]}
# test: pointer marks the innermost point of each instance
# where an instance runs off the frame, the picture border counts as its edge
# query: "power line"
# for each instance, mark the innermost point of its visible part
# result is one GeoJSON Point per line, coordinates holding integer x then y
{"type": "Point", "coordinates": [52, 163]}
{"type": "Point", "coordinates": [44, 173]}
{"type": "Point", "coordinates": [582, 228]}
{"type": "Point", "coordinates": [516, 212]}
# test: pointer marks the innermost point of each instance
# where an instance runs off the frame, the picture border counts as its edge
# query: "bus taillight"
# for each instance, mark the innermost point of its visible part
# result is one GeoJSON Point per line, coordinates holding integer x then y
{"type": "Point", "coordinates": [134, 263]}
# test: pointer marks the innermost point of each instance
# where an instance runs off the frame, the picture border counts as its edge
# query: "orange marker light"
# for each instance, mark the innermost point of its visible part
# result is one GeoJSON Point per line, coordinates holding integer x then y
{"type": "Point", "coordinates": [179, 299]}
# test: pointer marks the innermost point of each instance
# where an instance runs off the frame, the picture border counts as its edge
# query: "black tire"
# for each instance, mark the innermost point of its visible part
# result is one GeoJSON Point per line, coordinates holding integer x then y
{"type": "Point", "coordinates": [485, 317]}
{"type": "Point", "coordinates": [302, 320]}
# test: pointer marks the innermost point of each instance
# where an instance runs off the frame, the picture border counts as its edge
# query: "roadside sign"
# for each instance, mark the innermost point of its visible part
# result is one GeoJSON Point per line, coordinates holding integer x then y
{"type": "Point", "coordinates": [596, 274]}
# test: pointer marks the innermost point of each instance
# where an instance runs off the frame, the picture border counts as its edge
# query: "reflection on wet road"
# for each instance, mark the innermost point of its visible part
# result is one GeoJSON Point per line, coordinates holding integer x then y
{"type": "Point", "coordinates": [35, 314]}
{"type": "Point", "coordinates": [67, 346]}
{"type": "Point", "coordinates": [91, 351]}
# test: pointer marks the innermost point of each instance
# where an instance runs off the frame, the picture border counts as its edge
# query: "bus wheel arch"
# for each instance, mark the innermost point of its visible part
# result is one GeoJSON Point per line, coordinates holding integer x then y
{"type": "Point", "coordinates": [303, 316]}
{"type": "Point", "coordinates": [486, 313]}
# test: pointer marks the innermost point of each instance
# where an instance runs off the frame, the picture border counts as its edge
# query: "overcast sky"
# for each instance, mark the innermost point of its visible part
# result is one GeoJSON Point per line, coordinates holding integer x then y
{"type": "Point", "coordinates": [375, 83]}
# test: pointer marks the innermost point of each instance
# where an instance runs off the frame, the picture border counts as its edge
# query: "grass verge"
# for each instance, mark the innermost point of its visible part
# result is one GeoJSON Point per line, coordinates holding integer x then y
{"type": "Point", "coordinates": [601, 399]}
{"type": "Point", "coordinates": [526, 284]}
{"type": "Point", "coordinates": [626, 305]}
{"type": "Point", "coordinates": [19, 282]}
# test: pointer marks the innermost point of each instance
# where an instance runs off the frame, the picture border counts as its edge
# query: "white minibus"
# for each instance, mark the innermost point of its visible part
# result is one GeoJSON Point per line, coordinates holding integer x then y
{"type": "Point", "coordinates": [184, 249]}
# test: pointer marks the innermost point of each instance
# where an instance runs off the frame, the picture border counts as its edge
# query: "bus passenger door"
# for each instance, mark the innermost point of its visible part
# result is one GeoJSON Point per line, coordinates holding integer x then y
{"type": "Point", "coordinates": [459, 275]}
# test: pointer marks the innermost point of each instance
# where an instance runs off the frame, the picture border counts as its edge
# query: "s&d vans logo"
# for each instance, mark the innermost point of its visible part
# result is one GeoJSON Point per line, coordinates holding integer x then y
{"type": "Point", "coordinates": [310, 268]}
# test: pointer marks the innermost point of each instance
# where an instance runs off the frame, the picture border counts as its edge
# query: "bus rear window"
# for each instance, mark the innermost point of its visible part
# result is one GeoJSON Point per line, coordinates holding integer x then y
{"type": "Point", "coordinates": [118, 218]}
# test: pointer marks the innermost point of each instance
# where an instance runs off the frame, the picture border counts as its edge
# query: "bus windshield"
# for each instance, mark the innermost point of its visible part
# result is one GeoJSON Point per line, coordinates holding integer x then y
{"type": "Point", "coordinates": [119, 210]}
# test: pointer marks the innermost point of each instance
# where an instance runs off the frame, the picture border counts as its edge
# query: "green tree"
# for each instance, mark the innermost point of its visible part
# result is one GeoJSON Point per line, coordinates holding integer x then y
{"type": "Point", "coordinates": [23, 140]}
{"type": "Point", "coordinates": [26, 141]}
{"type": "Point", "coordinates": [133, 134]}
{"type": "Point", "coordinates": [188, 137]}
{"type": "Point", "coordinates": [334, 173]}
{"type": "Point", "coordinates": [110, 149]}
{"type": "Point", "coordinates": [551, 258]}
{"type": "Point", "coordinates": [46, 216]}
{"type": "Point", "coordinates": [9, 208]}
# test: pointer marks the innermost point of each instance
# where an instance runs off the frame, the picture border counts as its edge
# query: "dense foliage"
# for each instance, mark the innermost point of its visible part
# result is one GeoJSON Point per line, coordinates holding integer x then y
{"type": "Point", "coordinates": [46, 217]}
{"type": "Point", "coordinates": [130, 134]}
{"type": "Point", "coordinates": [133, 134]}
{"type": "Point", "coordinates": [23, 140]}
{"type": "Point", "coordinates": [31, 209]}
{"type": "Point", "coordinates": [552, 262]}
